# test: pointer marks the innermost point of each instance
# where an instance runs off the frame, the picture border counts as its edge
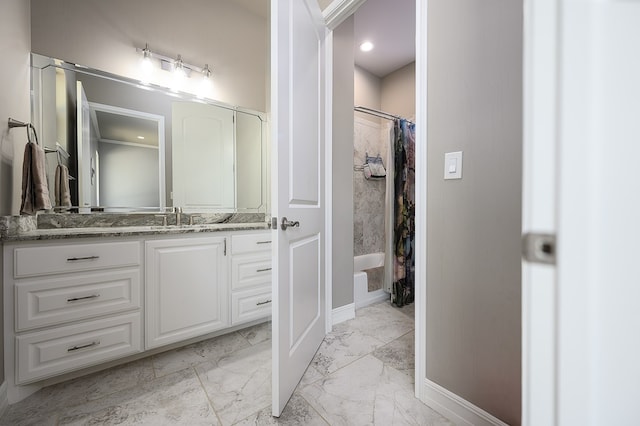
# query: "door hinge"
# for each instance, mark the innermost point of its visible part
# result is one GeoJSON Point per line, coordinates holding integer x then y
{"type": "Point", "coordinates": [274, 223]}
{"type": "Point", "coordinates": [539, 248]}
{"type": "Point", "coordinates": [225, 246]}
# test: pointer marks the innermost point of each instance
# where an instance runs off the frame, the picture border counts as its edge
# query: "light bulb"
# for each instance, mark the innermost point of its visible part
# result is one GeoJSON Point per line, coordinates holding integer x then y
{"type": "Point", "coordinates": [205, 83]}
{"type": "Point", "coordinates": [146, 65]}
{"type": "Point", "coordinates": [367, 46]}
{"type": "Point", "coordinates": [179, 74]}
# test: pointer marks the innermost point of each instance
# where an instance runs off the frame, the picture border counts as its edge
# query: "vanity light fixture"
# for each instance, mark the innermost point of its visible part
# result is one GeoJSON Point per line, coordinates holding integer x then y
{"type": "Point", "coordinates": [177, 66]}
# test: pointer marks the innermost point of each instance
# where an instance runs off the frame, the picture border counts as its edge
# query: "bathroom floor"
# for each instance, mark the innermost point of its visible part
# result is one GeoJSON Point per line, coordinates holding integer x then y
{"type": "Point", "coordinates": [362, 374]}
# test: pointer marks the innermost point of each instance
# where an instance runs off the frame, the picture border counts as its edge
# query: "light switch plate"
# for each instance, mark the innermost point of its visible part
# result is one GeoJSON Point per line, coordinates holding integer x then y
{"type": "Point", "coordinates": [453, 165]}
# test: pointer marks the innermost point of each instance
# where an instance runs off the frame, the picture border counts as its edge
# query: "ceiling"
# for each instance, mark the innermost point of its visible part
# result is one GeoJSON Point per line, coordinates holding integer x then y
{"type": "Point", "coordinates": [127, 129]}
{"type": "Point", "coordinates": [389, 24]}
{"type": "Point", "coordinates": [391, 27]}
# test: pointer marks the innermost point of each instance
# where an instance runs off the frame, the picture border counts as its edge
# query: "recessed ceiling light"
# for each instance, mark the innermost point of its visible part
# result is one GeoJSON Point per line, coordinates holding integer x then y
{"type": "Point", "coordinates": [366, 46]}
{"type": "Point", "coordinates": [140, 137]}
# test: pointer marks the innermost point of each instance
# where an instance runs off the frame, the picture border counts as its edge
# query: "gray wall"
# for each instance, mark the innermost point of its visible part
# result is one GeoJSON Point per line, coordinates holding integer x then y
{"type": "Point", "coordinates": [399, 92]}
{"type": "Point", "coordinates": [15, 45]}
{"type": "Point", "coordinates": [128, 175]}
{"type": "Point", "coordinates": [104, 35]}
{"type": "Point", "coordinates": [474, 224]}
{"type": "Point", "coordinates": [342, 158]}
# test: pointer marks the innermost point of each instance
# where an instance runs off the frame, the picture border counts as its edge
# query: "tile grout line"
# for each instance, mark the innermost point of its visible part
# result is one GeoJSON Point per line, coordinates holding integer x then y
{"type": "Point", "coordinates": [207, 395]}
{"type": "Point", "coordinates": [313, 408]}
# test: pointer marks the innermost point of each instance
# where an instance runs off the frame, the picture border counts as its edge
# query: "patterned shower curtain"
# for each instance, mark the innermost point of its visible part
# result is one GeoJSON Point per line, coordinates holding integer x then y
{"type": "Point", "coordinates": [404, 213]}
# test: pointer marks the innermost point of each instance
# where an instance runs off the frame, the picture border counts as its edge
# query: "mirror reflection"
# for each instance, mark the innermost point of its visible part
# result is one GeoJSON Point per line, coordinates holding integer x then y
{"type": "Point", "coordinates": [134, 147]}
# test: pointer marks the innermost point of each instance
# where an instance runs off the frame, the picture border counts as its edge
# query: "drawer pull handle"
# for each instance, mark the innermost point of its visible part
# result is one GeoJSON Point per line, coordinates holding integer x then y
{"type": "Point", "coordinates": [263, 270]}
{"type": "Point", "coordinates": [77, 299]}
{"type": "Point", "coordinates": [78, 259]}
{"type": "Point", "coordinates": [263, 303]}
{"type": "Point", "coordinates": [88, 345]}
{"type": "Point", "coordinates": [264, 242]}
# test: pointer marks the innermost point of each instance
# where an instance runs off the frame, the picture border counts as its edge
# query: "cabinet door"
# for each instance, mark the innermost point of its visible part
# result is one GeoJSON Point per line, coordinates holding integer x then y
{"type": "Point", "coordinates": [186, 289]}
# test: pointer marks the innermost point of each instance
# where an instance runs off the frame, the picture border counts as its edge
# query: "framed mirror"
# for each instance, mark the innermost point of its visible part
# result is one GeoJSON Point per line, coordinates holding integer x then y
{"type": "Point", "coordinates": [135, 147]}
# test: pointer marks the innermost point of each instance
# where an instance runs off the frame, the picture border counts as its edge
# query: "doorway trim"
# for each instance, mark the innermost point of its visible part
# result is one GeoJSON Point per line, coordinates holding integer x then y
{"type": "Point", "coordinates": [430, 393]}
{"type": "Point", "coordinates": [334, 15]}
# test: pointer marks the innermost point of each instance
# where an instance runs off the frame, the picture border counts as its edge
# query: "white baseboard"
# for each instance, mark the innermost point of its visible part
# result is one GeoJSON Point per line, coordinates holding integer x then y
{"type": "Point", "coordinates": [4, 398]}
{"type": "Point", "coordinates": [455, 408]}
{"type": "Point", "coordinates": [343, 313]}
{"type": "Point", "coordinates": [371, 298]}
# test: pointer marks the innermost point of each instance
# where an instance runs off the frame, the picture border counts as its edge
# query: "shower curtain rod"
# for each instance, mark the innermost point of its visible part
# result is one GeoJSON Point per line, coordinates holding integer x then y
{"type": "Point", "coordinates": [380, 114]}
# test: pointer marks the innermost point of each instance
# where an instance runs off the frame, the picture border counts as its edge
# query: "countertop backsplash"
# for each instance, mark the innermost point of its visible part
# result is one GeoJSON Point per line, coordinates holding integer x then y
{"type": "Point", "coordinates": [68, 225]}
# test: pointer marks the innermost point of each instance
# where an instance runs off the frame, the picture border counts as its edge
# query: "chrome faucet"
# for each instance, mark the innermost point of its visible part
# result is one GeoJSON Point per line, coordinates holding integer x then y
{"type": "Point", "coordinates": [178, 211]}
{"type": "Point", "coordinates": [193, 216]}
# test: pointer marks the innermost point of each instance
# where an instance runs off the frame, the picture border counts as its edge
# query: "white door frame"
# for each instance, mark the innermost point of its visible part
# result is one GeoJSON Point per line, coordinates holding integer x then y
{"type": "Point", "coordinates": [335, 14]}
{"type": "Point", "coordinates": [539, 312]}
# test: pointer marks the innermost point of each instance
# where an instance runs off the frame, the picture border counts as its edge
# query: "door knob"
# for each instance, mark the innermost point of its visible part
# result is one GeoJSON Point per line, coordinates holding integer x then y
{"type": "Point", "coordinates": [289, 223]}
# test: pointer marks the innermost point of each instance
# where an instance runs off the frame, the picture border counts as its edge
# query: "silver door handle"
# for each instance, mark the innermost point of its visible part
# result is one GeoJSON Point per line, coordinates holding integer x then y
{"type": "Point", "coordinates": [289, 223]}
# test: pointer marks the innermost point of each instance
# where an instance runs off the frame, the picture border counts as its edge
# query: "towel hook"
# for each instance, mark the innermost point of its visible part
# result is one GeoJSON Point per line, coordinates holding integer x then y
{"type": "Point", "coordinates": [15, 123]}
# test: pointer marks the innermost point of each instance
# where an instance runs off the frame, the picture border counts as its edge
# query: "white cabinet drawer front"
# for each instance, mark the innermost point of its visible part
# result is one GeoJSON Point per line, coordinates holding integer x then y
{"type": "Point", "coordinates": [48, 353]}
{"type": "Point", "coordinates": [33, 261]}
{"type": "Point", "coordinates": [54, 301]}
{"type": "Point", "coordinates": [251, 243]}
{"type": "Point", "coordinates": [250, 305]}
{"type": "Point", "coordinates": [250, 271]}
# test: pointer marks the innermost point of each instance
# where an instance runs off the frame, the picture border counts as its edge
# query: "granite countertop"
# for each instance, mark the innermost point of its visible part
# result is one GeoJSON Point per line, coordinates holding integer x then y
{"type": "Point", "coordinates": [51, 227]}
{"type": "Point", "coordinates": [125, 231]}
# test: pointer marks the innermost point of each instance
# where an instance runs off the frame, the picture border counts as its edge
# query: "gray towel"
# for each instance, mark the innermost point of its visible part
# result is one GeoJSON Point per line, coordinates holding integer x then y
{"type": "Point", "coordinates": [35, 192]}
{"type": "Point", "coordinates": [62, 193]}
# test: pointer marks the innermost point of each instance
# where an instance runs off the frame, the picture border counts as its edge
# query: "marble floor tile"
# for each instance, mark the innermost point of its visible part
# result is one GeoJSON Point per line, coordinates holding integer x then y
{"type": "Point", "coordinates": [85, 388]}
{"type": "Point", "coordinates": [239, 384]}
{"type": "Point", "coordinates": [17, 417]}
{"type": "Point", "coordinates": [362, 374]}
{"type": "Point", "coordinates": [341, 347]}
{"type": "Point", "coordinates": [399, 354]}
{"type": "Point", "coordinates": [176, 399]}
{"type": "Point", "coordinates": [258, 333]}
{"type": "Point", "coordinates": [381, 321]}
{"type": "Point", "coordinates": [409, 310]}
{"type": "Point", "coordinates": [297, 412]}
{"type": "Point", "coordinates": [367, 392]}
{"type": "Point", "coordinates": [310, 376]}
{"type": "Point", "coordinates": [197, 353]}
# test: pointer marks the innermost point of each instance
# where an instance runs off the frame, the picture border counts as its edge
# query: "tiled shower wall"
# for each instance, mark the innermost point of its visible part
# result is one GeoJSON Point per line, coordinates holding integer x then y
{"type": "Point", "coordinates": [371, 135]}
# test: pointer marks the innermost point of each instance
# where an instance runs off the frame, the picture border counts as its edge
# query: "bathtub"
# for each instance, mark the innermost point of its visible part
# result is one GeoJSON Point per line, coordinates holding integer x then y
{"type": "Point", "coordinates": [361, 294]}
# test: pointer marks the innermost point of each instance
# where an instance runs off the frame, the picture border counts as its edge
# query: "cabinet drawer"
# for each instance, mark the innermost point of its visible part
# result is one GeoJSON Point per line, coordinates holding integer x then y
{"type": "Point", "coordinates": [250, 304]}
{"type": "Point", "coordinates": [48, 353]}
{"type": "Point", "coordinates": [251, 243]}
{"type": "Point", "coordinates": [53, 301]}
{"type": "Point", "coordinates": [250, 271]}
{"type": "Point", "coordinates": [33, 261]}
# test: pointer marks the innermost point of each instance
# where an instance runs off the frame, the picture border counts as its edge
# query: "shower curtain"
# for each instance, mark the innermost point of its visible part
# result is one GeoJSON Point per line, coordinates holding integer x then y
{"type": "Point", "coordinates": [404, 213]}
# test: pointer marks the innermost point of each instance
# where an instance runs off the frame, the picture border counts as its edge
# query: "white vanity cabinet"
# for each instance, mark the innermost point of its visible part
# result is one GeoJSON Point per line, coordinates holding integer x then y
{"type": "Point", "coordinates": [186, 290]}
{"type": "Point", "coordinates": [73, 305]}
{"type": "Point", "coordinates": [250, 277]}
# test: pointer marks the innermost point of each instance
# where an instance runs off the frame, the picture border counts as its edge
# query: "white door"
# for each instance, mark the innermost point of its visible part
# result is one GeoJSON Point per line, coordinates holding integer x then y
{"type": "Point", "coordinates": [582, 183]}
{"type": "Point", "coordinates": [297, 44]}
